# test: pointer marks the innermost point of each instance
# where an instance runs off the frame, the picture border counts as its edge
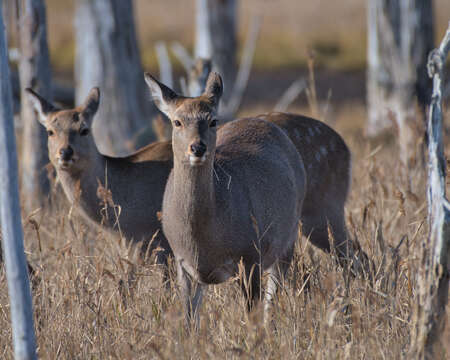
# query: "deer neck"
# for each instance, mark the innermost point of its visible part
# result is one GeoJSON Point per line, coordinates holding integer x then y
{"type": "Point", "coordinates": [81, 187]}
{"type": "Point", "coordinates": [194, 193]}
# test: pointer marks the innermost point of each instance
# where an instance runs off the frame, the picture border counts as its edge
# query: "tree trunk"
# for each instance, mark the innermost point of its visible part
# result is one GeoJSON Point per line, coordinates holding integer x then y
{"type": "Point", "coordinates": [34, 69]}
{"type": "Point", "coordinates": [107, 55]}
{"type": "Point", "coordinates": [11, 224]}
{"type": "Point", "coordinates": [400, 35]}
{"type": "Point", "coordinates": [216, 38]}
{"type": "Point", "coordinates": [434, 273]}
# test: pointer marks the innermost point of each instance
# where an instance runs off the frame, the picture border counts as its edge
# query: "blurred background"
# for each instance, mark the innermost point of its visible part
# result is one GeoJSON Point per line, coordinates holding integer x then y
{"type": "Point", "coordinates": [335, 31]}
{"type": "Point", "coordinates": [358, 65]}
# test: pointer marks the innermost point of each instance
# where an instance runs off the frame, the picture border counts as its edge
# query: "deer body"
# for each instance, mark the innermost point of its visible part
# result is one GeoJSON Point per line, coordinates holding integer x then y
{"type": "Point", "coordinates": [234, 194]}
{"type": "Point", "coordinates": [123, 192]}
{"type": "Point", "coordinates": [327, 162]}
{"type": "Point", "coordinates": [210, 214]}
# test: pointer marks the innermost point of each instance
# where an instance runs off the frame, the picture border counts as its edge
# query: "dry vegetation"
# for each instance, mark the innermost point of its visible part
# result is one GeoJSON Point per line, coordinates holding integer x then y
{"type": "Point", "coordinates": [83, 310]}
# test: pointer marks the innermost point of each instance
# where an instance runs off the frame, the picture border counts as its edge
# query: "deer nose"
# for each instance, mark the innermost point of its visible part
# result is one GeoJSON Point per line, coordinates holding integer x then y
{"type": "Point", "coordinates": [198, 149]}
{"type": "Point", "coordinates": [66, 153]}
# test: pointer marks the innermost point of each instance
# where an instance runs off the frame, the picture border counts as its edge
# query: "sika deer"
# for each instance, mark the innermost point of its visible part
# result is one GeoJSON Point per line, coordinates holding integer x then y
{"type": "Point", "coordinates": [328, 165]}
{"type": "Point", "coordinates": [136, 182]}
{"type": "Point", "coordinates": [235, 194]}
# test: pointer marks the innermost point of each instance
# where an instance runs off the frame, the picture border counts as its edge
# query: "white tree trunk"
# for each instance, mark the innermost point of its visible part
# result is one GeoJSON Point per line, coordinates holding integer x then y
{"type": "Point", "coordinates": [216, 38]}
{"type": "Point", "coordinates": [434, 273]}
{"type": "Point", "coordinates": [400, 35]}
{"type": "Point", "coordinates": [34, 69]}
{"type": "Point", "coordinates": [107, 56]}
{"type": "Point", "coordinates": [11, 224]}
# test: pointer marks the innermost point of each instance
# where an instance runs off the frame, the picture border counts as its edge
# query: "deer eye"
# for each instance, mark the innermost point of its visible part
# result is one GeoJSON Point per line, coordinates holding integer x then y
{"type": "Point", "coordinates": [50, 133]}
{"type": "Point", "coordinates": [177, 123]}
{"type": "Point", "coordinates": [213, 123]}
{"type": "Point", "coordinates": [84, 132]}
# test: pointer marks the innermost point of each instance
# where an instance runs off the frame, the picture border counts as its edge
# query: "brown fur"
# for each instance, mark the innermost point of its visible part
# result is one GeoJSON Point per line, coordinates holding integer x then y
{"type": "Point", "coordinates": [102, 187]}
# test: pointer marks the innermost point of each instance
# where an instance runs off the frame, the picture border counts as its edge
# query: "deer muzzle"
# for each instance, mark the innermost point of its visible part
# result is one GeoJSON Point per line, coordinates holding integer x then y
{"type": "Point", "coordinates": [197, 153]}
{"type": "Point", "coordinates": [65, 157]}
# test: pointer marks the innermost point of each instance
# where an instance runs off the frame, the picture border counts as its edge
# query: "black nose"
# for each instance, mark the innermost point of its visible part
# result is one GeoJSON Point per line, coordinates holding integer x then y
{"type": "Point", "coordinates": [198, 149]}
{"type": "Point", "coordinates": [66, 154]}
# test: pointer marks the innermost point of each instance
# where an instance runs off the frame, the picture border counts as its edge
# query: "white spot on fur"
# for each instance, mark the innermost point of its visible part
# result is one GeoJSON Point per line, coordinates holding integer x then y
{"type": "Point", "coordinates": [317, 156]}
{"type": "Point", "coordinates": [323, 150]}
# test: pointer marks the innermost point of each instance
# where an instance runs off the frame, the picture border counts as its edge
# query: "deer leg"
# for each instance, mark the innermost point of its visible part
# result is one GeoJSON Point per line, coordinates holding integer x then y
{"type": "Point", "coordinates": [191, 292]}
{"type": "Point", "coordinates": [162, 256]}
{"type": "Point", "coordinates": [251, 285]}
{"type": "Point", "coordinates": [277, 272]}
{"type": "Point", "coordinates": [316, 225]}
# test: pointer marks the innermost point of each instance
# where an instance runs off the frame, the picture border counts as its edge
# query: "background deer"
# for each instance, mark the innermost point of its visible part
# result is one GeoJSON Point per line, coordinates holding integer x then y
{"type": "Point", "coordinates": [99, 184]}
{"type": "Point", "coordinates": [235, 194]}
{"type": "Point", "coordinates": [328, 168]}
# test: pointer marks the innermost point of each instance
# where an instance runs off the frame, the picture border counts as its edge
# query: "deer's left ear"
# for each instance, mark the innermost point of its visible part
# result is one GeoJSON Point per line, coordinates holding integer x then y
{"type": "Point", "coordinates": [214, 88]}
{"type": "Point", "coordinates": [163, 96]}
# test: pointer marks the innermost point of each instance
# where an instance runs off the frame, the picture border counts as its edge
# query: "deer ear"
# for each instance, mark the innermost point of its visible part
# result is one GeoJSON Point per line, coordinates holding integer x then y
{"type": "Point", "coordinates": [90, 105]}
{"type": "Point", "coordinates": [42, 106]}
{"type": "Point", "coordinates": [163, 96]}
{"type": "Point", "coordinates": [214, 88]}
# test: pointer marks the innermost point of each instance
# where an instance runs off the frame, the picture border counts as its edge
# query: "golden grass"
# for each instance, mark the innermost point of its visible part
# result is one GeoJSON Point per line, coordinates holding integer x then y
{"type": "Point", "coordinates": [80, 312]}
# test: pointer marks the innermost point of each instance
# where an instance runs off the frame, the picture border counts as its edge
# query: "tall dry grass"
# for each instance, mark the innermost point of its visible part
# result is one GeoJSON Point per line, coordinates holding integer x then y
{"type": "Point", "coordinates": [83, 310]}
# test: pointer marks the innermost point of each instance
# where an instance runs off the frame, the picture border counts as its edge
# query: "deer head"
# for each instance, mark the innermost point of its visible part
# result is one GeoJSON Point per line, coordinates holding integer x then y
{"type": "Point", "coordinates": [69, 131]}
{"type": "Point", "coordinates": [193, 119]}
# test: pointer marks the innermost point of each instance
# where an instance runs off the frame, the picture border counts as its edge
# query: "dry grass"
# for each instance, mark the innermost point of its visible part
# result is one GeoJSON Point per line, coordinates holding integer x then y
{"type": "Point", "coordinates": [80, 312]}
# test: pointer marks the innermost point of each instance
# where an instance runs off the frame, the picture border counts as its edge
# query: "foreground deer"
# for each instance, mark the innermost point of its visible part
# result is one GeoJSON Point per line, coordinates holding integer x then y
{"type": "Point", "coordinates": [235, 194]}
{"type": "Point", "coordinates": [89, 179]}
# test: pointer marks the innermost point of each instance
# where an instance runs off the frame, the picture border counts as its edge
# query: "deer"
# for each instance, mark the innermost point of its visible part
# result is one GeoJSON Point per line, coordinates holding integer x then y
{"type": "Point", "coordinates": [233, 199]}
{"type": "Point", "coordinates": [328, 166]}
{"type": "Point", "coordinates": [119, 193]}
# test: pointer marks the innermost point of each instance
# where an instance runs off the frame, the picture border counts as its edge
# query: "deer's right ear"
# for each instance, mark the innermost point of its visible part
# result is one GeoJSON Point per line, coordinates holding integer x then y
{"type": "Point", "coordinates": [42, 106]}
{"type": "Point", "coordinates": [162, 95]}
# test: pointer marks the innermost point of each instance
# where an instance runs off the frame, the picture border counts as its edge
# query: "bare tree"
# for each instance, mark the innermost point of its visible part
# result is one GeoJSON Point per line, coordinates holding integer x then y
{"type": "Point", "coordinates": [216, 38]}
{"type": "Point", "coordinates": [400, 36]}
{"type": "Point", "coordinates": [107, 55]}
{"type": "Point", "coordinates": [34, 69]}
{"type": "Point", "coordinates": [11, 224]}
{"type": "Point", "coordinates": [434, 272]}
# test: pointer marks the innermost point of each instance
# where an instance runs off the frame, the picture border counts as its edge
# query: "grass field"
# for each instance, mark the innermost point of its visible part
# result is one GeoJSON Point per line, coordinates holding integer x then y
{"type": "Point", "coordinates": [82, 311]}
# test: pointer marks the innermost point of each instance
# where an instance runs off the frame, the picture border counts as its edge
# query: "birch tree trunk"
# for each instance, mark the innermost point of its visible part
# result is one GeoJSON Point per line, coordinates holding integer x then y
{"type": "Point", "coordinates": [216, 38]}
{"type": "Point", "coordinates": [34, 70]}
{"type": "Point", "coordinates": [400, 36]}
{"type": "Point", "coordinates": [10, 218]}
{"type": "Point", "coordinates": [434, 273]}
{"type": "Point", "coordinates": [107, 55]}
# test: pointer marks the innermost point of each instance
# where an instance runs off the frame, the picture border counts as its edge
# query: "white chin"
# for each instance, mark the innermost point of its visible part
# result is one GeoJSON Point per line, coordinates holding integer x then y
{"type": "Point", "coordinates": [196, 161]}
{"type": "Point", "coordinates": [65, 165]}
